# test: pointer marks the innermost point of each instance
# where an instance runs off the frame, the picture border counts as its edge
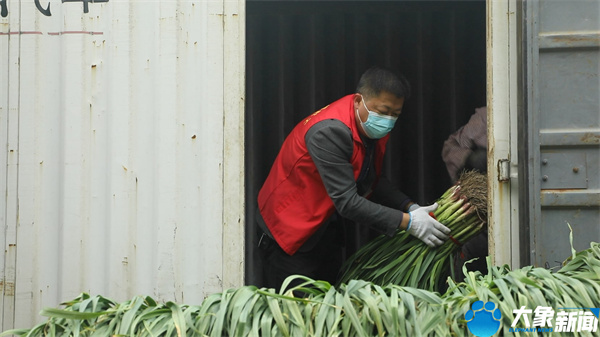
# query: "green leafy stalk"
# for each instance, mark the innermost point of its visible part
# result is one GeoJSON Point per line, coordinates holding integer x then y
{"type": "Point", "coordinates": [406, 261]}
{"type": "Point", "coordinates": [356, 308]}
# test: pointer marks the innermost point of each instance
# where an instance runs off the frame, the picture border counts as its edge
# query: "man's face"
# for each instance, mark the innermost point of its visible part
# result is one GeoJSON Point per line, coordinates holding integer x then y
{"type": "Point", "coordinates": [384, 104]}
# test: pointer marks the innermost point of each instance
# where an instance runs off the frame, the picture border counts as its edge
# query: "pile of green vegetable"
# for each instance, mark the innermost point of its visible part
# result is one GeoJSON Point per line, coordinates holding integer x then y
{"type": "Point", "coordinates": [406, 261]}
{"type": "Point", "coordinates": [358, 308]}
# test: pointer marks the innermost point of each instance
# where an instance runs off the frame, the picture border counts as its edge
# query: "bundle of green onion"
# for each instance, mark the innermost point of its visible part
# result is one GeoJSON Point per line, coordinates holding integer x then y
{"type": "Point", "coordinates": [358, 308]}
{"type": "Point", "coordinates": [406, 261]}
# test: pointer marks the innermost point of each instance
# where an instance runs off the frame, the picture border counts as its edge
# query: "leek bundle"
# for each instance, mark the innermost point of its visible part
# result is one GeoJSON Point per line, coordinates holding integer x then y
{"type": "Point", "coordinates": [358, 308]}
{"type": "Point", "coordinates": [405, 260]}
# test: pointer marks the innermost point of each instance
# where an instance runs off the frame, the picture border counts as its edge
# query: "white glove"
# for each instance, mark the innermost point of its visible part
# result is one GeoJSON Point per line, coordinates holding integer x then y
{"type": "Point", "coordinates": [426, 228]}
{"type": "Point", "coordinates": [413, 207]}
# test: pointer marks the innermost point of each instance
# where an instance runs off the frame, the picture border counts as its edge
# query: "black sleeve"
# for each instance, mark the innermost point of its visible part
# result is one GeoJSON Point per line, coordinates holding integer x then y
{"type": "Point", "coordinates": [330, 146]}
{"type": "Point", "coordinates": [387, 194]}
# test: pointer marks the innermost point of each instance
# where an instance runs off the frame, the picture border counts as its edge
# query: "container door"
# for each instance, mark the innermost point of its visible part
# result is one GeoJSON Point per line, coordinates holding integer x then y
{"type": "Point", "coordinates": [562, 50]}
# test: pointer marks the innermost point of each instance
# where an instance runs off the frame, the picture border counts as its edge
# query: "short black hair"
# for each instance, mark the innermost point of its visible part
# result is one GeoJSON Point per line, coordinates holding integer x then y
{"type": "Point", "coordinates": [377, 79]}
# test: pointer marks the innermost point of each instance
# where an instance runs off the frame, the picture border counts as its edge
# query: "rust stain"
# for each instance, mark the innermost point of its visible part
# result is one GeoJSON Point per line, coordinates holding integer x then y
{"type": "Point", "coordinates": [9, 289]}
{"type": "Point", "coordinates": [562, 190]}
{"type": "Point", "coordinates": [194, 137]}
{"type": "Point", "coordinates": [591, 138]}
{"type": "Point", "coordinates": [572, 39]}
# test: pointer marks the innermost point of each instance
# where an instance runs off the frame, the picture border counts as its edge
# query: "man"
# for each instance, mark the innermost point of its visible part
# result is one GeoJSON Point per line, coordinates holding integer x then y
{"type": "Point", "coordinates": [466, 149]}
{"type": "Point", "coordinates": [327, 169]}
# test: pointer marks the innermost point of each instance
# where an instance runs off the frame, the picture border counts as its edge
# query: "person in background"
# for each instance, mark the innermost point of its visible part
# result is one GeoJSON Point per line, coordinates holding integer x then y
{"type": "Point", "coordinates": [329, 169]}
{"type": "Point", "coordinates": [466, 149]}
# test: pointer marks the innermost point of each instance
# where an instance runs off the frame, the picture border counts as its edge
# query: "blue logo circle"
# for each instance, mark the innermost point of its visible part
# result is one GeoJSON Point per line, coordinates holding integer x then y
{"type": "Point", "coordinates": [483, 320]}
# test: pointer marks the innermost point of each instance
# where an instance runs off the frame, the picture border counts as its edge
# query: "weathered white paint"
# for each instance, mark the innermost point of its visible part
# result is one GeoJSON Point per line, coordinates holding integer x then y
{"type": "Point", "coordinates": [502, 93]}
{"type": "Point", "coordinates": [122, 172]}
{"type": "Point", "coordinates": [234, 59]}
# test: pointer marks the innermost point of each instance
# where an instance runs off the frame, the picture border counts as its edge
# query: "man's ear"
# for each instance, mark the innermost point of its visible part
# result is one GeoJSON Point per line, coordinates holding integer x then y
{"type": "Point", "coordinates": [357, 100]}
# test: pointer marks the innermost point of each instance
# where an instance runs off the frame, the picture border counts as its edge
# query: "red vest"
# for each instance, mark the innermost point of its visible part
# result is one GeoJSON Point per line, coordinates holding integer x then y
{"type": "Point", "coordinates": [293, 200]}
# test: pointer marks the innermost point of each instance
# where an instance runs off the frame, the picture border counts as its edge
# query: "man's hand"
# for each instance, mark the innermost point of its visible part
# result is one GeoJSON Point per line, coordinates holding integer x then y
{"type": "Point", "coordinates": [426, 228]}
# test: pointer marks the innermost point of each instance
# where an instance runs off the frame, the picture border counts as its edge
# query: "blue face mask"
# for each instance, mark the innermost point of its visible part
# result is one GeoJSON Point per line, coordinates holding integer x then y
{"type": "Point", "coordinates": [377, 125]}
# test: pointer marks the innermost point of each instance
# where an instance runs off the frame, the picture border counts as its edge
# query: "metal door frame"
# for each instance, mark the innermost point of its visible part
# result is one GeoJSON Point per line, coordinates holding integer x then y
{"type": "Point", "coordinates": [504, 104]}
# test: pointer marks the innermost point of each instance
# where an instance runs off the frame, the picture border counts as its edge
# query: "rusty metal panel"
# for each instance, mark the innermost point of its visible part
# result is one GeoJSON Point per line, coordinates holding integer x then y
{"type": "Point", "coordinates": [564, 108]}
{"type": "Point", "coordinates": [118, 148]}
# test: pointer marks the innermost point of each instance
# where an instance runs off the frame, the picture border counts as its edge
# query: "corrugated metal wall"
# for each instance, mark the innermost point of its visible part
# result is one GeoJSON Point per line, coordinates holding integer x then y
{"type": "Point", "coordinates": [302, 55]}
{"type": "Point", "coordinates": [122, 163]}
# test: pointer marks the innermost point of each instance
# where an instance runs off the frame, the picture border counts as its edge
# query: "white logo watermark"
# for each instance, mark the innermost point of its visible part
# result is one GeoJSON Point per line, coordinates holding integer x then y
{"type": "Point", "coordinates": [545, 319]}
